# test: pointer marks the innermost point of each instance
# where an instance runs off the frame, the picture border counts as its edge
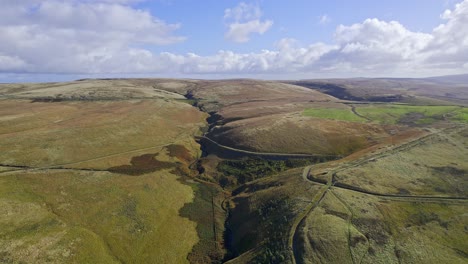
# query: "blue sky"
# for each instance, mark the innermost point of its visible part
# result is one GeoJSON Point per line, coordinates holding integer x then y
{"type": "Point", "coordinates": [61, 40]}
{"type": "Point", "coordinates": [202, 21]}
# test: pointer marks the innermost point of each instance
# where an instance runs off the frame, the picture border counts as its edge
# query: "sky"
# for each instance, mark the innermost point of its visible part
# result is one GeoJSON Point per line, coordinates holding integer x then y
{"type": "Point", "coordinates": [59, 40]}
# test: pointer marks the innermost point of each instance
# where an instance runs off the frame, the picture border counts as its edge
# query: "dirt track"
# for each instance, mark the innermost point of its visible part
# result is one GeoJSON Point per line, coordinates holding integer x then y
{"type": "Point", "coordinates": [332, 183]}
{"type": "Point", "coordinates": [226, 152]}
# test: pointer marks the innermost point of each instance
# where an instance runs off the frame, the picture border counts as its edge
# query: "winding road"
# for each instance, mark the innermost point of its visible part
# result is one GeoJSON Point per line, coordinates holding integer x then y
{"type": "Point", "coordinates": [333, 183]}
{"type": "Point", "coordinates": [267, 155]}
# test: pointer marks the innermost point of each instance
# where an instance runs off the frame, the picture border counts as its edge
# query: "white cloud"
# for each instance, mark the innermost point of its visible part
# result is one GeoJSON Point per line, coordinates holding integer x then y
{"type": "Point", "coordinates": [240, 32]}
{"type": "Point", "coordinates": [450, 44]}
{"type": "Point", "coordinates": [243, 12]}
{"type": "Point", "coordinates": [73, 36]}
{"type": "Point", "coordinates": [51, 37]}
{"type": "Point", "coordinates": [377, 44]}
{"type": "Point", "coordinates": [370, 48]}
{"type": "Point", "coordinates": [244, 20]}
{"type": "Point", "coordinates": [324, 19]}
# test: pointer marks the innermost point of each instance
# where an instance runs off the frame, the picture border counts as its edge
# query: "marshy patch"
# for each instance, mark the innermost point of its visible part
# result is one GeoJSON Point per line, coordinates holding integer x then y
{"type": "Point", "coordinates": [373, 229]}
{"type": "Point", "coordinates": [422, 218]}
{"type": "Point", "coordinates": [129, 210]}
{"type": "Point", "coordinates": [450, 171]}
{"type": "Point", "coordinates": [47, 100]}
{"type": "Point", "coordinates": [141, 165]}
{"type": "Point", "coordinates": [460, 252]}
{"type": "Point", "coordinates": [403, 191]}
{"type": "Point", "coordinates": [207, 216]}
{"type": "Point", "coordinates": [411, 118]}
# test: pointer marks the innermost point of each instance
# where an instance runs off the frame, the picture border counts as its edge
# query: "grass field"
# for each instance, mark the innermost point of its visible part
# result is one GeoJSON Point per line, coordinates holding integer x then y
{"type": "Point", "coordinates": [333, 113]}
{"type": "Point", "coordinates": [434, 167]}
{"type": "Point", "coordinates": [393, 113]}
{"type": "Point", "coordinates": [100, 217]}
{"type": "Point", "coordinates": [348, 227]}
{"type": "Point", "coordinates": [461, 115]}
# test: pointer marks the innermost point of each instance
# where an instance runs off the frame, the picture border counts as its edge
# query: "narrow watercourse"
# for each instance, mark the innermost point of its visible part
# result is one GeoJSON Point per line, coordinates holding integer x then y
{"type": "Point", "coordinates": [211, 147]}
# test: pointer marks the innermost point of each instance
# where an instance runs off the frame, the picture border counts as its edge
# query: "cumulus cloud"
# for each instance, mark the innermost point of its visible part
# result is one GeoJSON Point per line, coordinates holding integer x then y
{"type": "Point", "coordinates": [244, 20]}
{"type": "Point", "coordinates": [240, 32]}
{"type": "Point", "coordinates": [85, 37]}
{"type": "Point", "coordinates": [376, 45]}
{"type": "Point", "coordinates": [372, 48]}
{"type": "Point", "coordinates": [74, 36]}
{"type": "Point", "coordinates": [450, 44]}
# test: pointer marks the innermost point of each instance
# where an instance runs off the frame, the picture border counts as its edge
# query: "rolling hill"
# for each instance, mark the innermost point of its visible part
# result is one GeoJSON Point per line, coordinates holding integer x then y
{"type": "Point", "coordinates": [234, 171]}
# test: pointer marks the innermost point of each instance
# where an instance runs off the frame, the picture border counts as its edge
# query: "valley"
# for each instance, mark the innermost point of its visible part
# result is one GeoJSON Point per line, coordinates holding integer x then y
{"type": "Point", "coordinates": [234, 171]}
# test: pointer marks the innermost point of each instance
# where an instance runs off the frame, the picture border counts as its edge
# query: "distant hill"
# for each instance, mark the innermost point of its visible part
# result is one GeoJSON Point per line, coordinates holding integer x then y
{"type": "Point", "coordinates": [452, 88]}
{"type": "Point", "coordinates": [457, 79]}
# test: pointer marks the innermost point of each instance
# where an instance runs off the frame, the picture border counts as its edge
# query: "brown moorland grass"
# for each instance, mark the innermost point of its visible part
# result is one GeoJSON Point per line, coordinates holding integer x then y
{"type": "Point", "coordinates": [230, 92]}
{"type": "Point", "coordinates": [78, 216]}
{"type": "Point", "coordinates": [96, 89]}
{"type": "Point", "coordinates": [150, 214]}
{"type": "Point", "coordinates": [48, 134]}
{"type": "Point", "coordinates": [294, 133]}
{"type": "Point", "coordinates": [267, 117]}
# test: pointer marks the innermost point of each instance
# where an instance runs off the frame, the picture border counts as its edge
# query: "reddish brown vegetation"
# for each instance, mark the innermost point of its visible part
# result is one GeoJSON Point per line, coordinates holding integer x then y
{"type": "Point", "coordinates": [179, 152]}
{"type": "Point", "coordinates": [141, 165]}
